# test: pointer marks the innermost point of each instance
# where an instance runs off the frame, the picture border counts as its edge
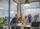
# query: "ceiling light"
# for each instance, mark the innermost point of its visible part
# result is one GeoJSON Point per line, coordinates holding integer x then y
{"type": "Point", "coordinates": [26, 4]}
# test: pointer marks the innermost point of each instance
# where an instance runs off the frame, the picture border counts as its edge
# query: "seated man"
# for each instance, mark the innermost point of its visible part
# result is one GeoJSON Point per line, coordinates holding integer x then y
{"type": "Point", "coordinates": [29, 20]}
{"type": "Point", "coordinates": [22, 18]}
{"type": "Point", "coordinates": [15, 21]}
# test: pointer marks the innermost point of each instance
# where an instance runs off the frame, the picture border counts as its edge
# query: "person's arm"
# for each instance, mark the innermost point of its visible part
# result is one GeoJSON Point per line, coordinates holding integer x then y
{"type": "Point", "coordinates": [19, 21]}
{"type": "Point", "coordinates": [33, 20]}
{"type": "Point", "coordinates": [27, 21]}
{"type": "Point", "coordinates": [30, 23]}
{"type": "Point", "coordinates": [13, 22]}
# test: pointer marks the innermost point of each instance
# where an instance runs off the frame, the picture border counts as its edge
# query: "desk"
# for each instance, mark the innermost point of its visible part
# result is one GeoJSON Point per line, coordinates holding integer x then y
{"type": "Point", "coordinates": [24, 25]}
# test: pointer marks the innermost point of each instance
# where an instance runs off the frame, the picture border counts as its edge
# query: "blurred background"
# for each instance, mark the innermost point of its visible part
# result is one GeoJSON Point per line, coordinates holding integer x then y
{"type": "Point", "coordinates": [18, 6]}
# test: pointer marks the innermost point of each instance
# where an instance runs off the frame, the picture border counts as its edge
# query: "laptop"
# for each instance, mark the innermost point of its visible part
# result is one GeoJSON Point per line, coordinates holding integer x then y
{"type": "Point", "coordinates": [35, 24]}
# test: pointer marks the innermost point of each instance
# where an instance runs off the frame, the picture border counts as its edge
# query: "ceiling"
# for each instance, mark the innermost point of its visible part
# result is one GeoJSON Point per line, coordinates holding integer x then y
{"type": "Point", "coordinates": [22, 1]}
{"type": "Point", "coordinates": [33, 0]}
{"type": "Point", "coordinates": [4, 4]}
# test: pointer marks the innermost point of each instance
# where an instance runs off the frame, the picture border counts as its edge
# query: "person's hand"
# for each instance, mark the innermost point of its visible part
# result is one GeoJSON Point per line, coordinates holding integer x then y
{"type": "Point", "coordinates": [15, 24]}
{"type": "Point", "coordinates": [26, 23]}
{"type": "Point", "coordinates": [18, 21]}
{"type": "Point", "coordinates": [30, 23]}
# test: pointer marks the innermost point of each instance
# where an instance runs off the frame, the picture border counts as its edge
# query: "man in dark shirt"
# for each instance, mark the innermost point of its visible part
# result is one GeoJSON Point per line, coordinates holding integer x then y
{"type": "Point", "coordinates": [15, 21]}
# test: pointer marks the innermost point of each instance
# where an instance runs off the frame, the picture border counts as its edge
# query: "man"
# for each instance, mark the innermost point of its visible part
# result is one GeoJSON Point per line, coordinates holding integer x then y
{"type": "Point", "coordinates": [15, 21]}
{"type": "Point", "coordinates": [29, 20]}
{"type": "Point", "coordinates": [22, 18]}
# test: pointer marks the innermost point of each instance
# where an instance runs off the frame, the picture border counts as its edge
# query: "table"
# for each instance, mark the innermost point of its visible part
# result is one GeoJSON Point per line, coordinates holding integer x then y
{"type": "Point", "coordinates": [24, 25]}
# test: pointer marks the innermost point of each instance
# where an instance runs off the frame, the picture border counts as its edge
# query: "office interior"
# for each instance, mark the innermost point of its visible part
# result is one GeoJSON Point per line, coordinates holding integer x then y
{"type": "Point", "coordinates": [8, 9]}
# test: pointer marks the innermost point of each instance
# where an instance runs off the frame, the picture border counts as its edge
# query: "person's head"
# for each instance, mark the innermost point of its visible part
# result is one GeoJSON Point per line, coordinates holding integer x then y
{"type": "Point", "coordinates": [16, 15]}
{"type": "Point", "coordinates": [21, 15]}
{"type": "Point", "coordinates": [29, 15]}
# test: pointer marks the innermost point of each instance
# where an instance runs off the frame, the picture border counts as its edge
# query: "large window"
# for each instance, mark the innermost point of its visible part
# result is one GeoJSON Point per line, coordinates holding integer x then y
{"type": "Point", "coordinates": [33, 8]}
